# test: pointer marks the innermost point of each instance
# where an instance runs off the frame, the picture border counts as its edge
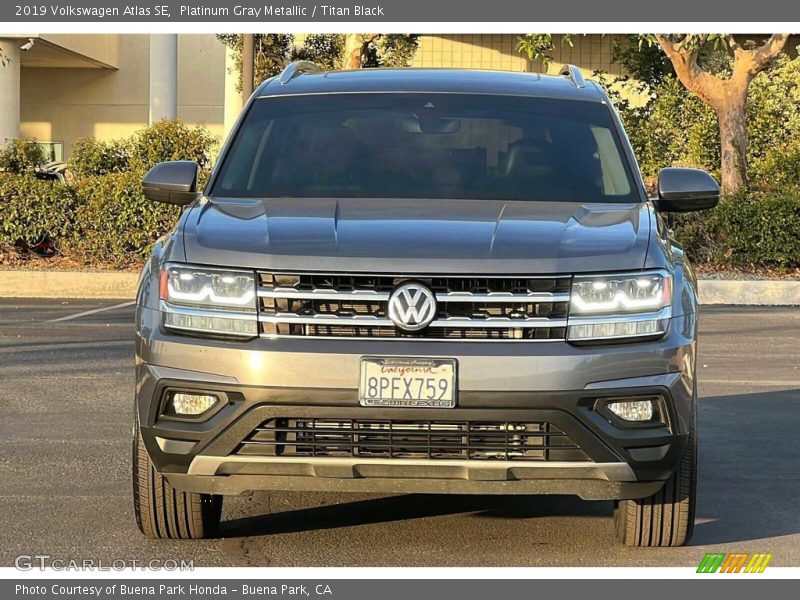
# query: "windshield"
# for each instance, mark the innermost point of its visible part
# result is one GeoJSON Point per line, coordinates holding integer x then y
{"type": "Point", "coordinates": [427, 146]}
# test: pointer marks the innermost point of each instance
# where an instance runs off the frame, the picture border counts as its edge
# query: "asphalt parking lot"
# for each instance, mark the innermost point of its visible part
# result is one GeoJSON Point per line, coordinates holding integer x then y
{"type": "Point", "coordinates": [66, 389]}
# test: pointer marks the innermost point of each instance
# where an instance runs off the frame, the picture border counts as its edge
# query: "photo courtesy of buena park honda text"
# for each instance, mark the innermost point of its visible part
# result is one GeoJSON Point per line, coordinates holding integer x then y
{"type": "Point", "coordinates": [502, 300]}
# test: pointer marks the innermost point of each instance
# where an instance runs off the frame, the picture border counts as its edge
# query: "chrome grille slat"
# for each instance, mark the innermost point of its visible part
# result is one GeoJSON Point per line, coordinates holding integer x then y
{"type": "Point", "coordinates": [360, 321]}
{"type": "Point", "coordinates": [363, 295]}
{"type": "Point", "coordinates": [498, 322]}
{"type": "Point", "coordinates": [470, 308]}
{"type": "Point", "coordinates": [369, 321]}
{"type": "Point", "coordinates": [501, 297]}
{"type": "Point", "coordinates": [323, 294]}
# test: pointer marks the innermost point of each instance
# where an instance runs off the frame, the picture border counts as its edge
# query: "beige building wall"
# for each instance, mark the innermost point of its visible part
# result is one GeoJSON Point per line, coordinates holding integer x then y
{"type": "Point", "coordinates": [499, 52]}
{"type": "Point", "coordinates": [590, 53]}
{"type": "Point", "coordinates": [102, 49]}
{"type": "Point", "coordinates": [64, 104]}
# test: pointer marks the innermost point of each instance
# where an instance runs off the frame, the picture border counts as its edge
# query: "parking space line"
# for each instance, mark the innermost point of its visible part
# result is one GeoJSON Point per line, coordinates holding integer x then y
{"type": "Point", "coordinates": [91, 312]}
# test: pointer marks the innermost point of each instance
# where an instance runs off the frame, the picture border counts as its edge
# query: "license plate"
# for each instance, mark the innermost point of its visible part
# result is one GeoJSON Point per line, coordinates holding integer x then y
{"type": "Point", "coordinates": [407, 382]}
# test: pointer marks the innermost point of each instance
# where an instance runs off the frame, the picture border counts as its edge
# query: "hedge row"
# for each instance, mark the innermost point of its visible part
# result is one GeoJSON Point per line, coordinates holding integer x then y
{"type": "Point", "coordinates": [761, 230]}
{"type": "Point", "coordinates": [100, 221]}
{"type": "Point", "coordinates": [100, 218]}
{"type": "Point", "coordinates": [162, 141]}
{"type": "Point", "coordinates": [105, 220]}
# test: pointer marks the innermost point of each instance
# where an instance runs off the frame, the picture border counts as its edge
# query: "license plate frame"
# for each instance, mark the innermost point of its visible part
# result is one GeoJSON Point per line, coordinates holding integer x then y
{"type": "Point", "coordinates": [398, 391]}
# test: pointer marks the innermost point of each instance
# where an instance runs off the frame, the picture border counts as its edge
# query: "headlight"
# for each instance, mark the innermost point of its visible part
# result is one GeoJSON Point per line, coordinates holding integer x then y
{"type": "Point", "coordinates": [207, 300]}
{"type": "Point", "coordinates": [632, 305]}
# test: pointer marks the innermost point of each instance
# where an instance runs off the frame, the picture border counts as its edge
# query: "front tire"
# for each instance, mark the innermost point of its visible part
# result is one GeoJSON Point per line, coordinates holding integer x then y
{"type": "Point", "coordinates": [665, 519]}
{"type": "Point", "coordinates": [164, 513]}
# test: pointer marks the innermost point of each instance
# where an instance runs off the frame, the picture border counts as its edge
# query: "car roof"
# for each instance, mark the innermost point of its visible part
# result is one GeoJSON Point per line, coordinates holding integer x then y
{"type": "Point", "coordinates": [462, 81]}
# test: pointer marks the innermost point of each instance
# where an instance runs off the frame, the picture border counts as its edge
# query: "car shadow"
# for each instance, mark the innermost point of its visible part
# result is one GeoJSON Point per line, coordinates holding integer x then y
{"type": "Point", "coordinates": [749, 483]}
{"type": "Point", "coordinates": [407, 507]}
{"type": "Point", "coordinates": [749, 467]}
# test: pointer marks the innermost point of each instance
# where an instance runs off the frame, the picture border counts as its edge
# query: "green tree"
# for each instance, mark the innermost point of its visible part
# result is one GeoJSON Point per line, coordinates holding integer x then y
{"type": "Point", "coordinates": [725, 93]}
{"type": "Point", "coordinates": [716, 68]}
{"type": "Point", "coordinates": [331, 51]}
{"type": "Point", "coordinates": [358, 50]}
{"type": "Point", "coordinates": [271, 53]}
{"type": "Point", "coordinates": [540, 46]}
{"type": "Point", "coordinates": [644, 62]}
{"type": "Point", "coordinates": [325, 50]}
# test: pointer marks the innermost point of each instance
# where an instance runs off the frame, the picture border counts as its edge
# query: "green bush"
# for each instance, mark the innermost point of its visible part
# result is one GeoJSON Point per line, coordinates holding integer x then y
{"type": "Point", "coordinates": [760, 230]}
{"type": "Point", "coordinates": [91, 157]}
{"type": "Point", "coordinates": [171, 140]}
{"type": "Point", "coordinates": [102, 219]}
{"type": "Point", "coordinates": [31, 209]}
{"type": "Point", "coordinates": [117, 225]}
{"type": "Point", "coordinates": [162, 141]}
{"type": "Point", "coordinates": [21, 156]}
{"type": "Point", "coordinates": [773, 120]}
{"type": "Point", "coordinates": [780, 167]}
{"type": "Point", "coordinates": [673, 129]}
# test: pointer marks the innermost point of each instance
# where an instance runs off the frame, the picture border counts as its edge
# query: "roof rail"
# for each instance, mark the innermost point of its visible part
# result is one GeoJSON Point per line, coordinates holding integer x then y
{"type": "Point", "coordinates": [574, 74]}
{"type": "Point", "coordinates": [296, 69]}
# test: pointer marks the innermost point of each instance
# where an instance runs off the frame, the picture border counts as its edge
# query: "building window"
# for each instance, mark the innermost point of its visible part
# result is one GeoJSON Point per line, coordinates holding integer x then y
{"type": "Point", "coordinates": [53, 151]}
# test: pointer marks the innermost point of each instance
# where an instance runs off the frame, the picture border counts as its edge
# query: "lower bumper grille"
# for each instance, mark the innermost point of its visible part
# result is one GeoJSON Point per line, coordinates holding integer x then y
{"type": "Point", "coordinates": [433, 440]}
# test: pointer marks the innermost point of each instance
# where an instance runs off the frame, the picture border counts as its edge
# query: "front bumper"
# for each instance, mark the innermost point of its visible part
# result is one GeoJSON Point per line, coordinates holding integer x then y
{"type": "Point", "coordinates": [537, 382]}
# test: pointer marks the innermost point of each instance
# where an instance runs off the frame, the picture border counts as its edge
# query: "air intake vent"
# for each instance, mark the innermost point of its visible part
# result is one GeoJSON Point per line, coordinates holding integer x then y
{"type": "Point", "coordinates": [432, 440]}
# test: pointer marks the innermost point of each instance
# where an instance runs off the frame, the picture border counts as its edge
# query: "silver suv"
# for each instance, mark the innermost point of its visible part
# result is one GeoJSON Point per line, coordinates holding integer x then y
{"type": "Point", "coordinates": [420, 281]}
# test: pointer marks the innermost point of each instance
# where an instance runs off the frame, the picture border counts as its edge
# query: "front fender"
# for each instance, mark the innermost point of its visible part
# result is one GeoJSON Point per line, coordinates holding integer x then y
{"type": "Point", "coordinates": [664, 252]}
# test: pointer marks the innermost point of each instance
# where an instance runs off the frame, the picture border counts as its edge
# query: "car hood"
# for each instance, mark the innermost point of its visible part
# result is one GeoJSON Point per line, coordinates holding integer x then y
{"type": "Point", "coordinates": [417, 236]}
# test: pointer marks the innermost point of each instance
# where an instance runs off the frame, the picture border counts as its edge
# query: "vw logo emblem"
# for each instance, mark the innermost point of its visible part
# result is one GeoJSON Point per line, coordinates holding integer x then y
{"type": "Point", "coordinates": [412, 306]}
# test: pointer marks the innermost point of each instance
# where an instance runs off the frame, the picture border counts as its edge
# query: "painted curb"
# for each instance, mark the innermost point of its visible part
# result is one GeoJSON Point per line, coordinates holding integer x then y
{"type": "Point", "coordinates": [68, 284]}
{"type": "Point", "coordinates": [754, 292]}
{"type": "Point", "coordinates": [122, 286]}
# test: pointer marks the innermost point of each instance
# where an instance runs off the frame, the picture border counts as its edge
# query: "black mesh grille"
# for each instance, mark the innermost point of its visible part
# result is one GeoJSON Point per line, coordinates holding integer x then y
{"type": "Point", "coordinates": [395, 439]}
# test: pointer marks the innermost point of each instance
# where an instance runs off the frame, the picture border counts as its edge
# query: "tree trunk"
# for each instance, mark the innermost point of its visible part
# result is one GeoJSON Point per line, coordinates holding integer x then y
{"type": "Point", "coordinates": [732, 116]}
{"type": "Point", "coordinates": [353, 50]}
{"type": "Point", "coordinates": [728, 97]}
{"type": "Point", "coordinates": [355, 47]}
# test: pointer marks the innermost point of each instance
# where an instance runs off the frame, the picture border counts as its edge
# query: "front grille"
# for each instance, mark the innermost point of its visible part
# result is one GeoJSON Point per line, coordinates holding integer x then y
{"type": "Point", "coordinates": [468, 308]}
{"type": "Point", "coordinates": [397, 439]}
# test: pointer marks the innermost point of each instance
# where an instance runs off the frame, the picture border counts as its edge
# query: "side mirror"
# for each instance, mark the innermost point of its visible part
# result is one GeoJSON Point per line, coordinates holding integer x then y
{"type": "Point", "coordinates": [685, 190]}
{"type": "Point", "coordinates": [172, 182]}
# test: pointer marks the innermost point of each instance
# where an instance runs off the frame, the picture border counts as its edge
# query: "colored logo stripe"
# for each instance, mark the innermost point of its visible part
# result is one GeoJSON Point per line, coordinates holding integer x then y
{"type": "Point", "coordinates": [737, 562]}
{"type": "Point", "coordinates": [734, 563]}
{"type": "Point", "coordinates": [711, 562]}
{"type": "Point", "coordinates": [758, 563]}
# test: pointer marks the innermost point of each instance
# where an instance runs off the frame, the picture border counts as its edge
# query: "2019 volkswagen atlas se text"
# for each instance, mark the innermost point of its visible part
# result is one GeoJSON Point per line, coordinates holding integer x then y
{"type": "Point", "coordinates": [425, 281]}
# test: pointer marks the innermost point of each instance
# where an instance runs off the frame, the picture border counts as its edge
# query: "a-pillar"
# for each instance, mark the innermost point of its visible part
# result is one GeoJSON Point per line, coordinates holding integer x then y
{"type": "Point", "coordinates": [233, 97]}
